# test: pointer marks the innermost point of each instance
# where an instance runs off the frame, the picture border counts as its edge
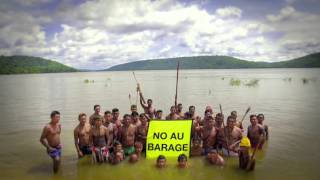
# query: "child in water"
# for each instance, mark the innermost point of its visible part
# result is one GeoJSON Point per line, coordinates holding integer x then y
{"type": "Point", "coordinates": [196, 149]}
{"type": "Point", "coordinates": [182, 161]}
{"type": "Point", "coordinates": [161, 161]}
{"type": "Point", "coordinates": [118, 155]}
{"type": "Point", "coordinates": [137, 154]}
{"type": "Point", "coordinates": [214, 158]}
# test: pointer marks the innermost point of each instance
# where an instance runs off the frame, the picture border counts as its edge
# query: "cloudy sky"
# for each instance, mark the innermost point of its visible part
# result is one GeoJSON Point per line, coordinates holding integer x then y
{"type": "Point", "coordinates": [97, 34]}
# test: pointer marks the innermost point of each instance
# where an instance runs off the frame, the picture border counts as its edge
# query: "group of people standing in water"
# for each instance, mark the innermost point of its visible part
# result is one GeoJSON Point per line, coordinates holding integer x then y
{"type": "Point", "coordinates": [109, 137]}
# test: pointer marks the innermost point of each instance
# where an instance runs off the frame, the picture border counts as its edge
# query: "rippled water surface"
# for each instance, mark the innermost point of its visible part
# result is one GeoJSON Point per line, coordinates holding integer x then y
{"type": "Point", "coordinates": [291, 109]}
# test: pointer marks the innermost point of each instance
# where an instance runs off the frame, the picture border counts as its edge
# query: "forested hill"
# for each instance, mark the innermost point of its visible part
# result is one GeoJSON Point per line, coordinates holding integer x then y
{"type": "Point", "coordinates": [28, 64]}
{"type": "Point", "coordinates": [216, 62]}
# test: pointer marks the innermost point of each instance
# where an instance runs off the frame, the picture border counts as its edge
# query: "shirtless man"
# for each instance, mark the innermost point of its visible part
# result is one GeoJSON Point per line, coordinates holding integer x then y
{"type": "Point", "coordinates": [173, 115]}
{"type": "Point", "coordinates": [149, 110]}
{"type": "Point", "coordinates": [255, 132]}
{"type": "Point", "coordinates": [96, 113]}
{"type": "Point", "coordinates": [117, 122]}
{"type": "Point", "coordinates": [191, 113]}
{"type": "Point", "coordinates": [109, 125]}
{"type": "Point", "coordinates": [100, 141]}
{"type": "Point", "coordinates": [142, 130]}
{"type": "Point", "coordinates": [179, 111]}
{"type": "Point", "coordinates": [135, 119]}
{"type": "Point", "coordinates": [229, 138]}
{"type": "Point", "coordinates": [50, 138]}
{"type": "Point", "coordinates": [265, 127]}
{"type": "Point", "coordinates": [238, 123]}
{"type": "Point", "coordinates": [82, 136]}
{"type": "Point", "coordinates": [127, 135]}
{"type": "Point", "coordinates": [159, 115]}
{"type": "Point", "coordinates": [208, 136]}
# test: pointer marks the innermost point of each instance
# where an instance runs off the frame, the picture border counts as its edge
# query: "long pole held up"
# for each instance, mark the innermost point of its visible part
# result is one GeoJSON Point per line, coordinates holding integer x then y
{"type": "Point", "coordinates": [225, 130]}
{"type": "Point", "coordinates": [176, 97]}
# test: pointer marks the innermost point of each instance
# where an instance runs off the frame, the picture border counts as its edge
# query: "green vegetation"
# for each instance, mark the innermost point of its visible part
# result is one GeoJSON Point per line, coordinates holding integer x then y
{"type": "Point", "coordinates": [235, 82]}
{"type": "Point", "coordinates": [289, 79]}
{"type": "Point", "coordinates": [252, 83]}
{"type": "Point", "coordinates": [88, 81]}
{"type": "Point", "coordinates": [27, 64]}
{"type": "Point", "coordinates": [216, 62]}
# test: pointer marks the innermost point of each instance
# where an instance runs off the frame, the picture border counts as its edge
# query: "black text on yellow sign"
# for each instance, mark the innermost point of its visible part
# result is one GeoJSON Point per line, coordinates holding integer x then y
{"type": "Point", "coordinates": [169, 138]}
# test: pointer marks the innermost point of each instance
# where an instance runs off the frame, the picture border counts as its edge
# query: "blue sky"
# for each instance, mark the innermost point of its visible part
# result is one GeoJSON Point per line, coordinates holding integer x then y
{"type": "Point", "coordinates": [97, 34]}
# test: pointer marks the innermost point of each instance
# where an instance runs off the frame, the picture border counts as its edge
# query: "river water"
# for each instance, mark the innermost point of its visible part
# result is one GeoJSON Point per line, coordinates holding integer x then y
{"type": "Point", "coordinates": [291, 110]}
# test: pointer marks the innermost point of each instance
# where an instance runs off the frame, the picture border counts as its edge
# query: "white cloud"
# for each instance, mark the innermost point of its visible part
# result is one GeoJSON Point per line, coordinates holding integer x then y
{"type": "Point", "coordinates": [99, 34]}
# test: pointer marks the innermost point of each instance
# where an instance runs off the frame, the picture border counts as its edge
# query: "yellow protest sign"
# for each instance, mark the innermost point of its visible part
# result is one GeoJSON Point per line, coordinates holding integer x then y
{"type": "Point", "coordinates": [169, 138]}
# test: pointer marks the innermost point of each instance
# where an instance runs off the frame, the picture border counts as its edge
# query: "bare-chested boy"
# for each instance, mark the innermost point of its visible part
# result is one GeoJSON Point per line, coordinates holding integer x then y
{"type": "Point", "coordinates": [173, 115]}
{"type": "Point", "coordinates": [265, 127]}
{"type": "Point", "coordinates": [235, 116]}
{"type": "Point", "coordinates": [50, 138]}
{"type": "Point", "coordinates": [159, 115]}
{"type": "Point", "coordinates": [127, 135]}
{"type": "Point", "coordinates": [96, 113]}
{"type": "Point", "coordinates": [233, 134]}
{"type": "Point", "coordinates": [82, 136]}
{"type": "Point", "coordinates": [179, 111]}
{"type": "Point", "coordinates": [110, 126]}
{"type": "Point", "coordinates": [116, 120]}
{"type": "Point", "coordinates": [135, 119]}
{"type": "Point", "coordinates": [208, 136]}
{"type": "Point", "coordinates": [255, 132]}
{"type": "Point", "coordinates": [100, 141]}
{"type": "Point", "coordinates": [142, 130]}
{"type": "Point", "coordinates": [191, 113]}
{"type": "Point", "coordinates": [149, 110]}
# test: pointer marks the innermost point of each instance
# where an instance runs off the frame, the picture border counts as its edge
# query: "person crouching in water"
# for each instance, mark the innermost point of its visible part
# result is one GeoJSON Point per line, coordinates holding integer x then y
{"type": "Point", "coordinates": [82, 136]}
{"type": "Point", "coordinates": [161, 162]}
{"type": "Point", "coordinates": [244, 154]}
{"type": "Point", "coordinates": [118, 155]}
{"type": "Point", "coordinates": [182, 161]}
{"type": "Point", "coordinates": [196, 149]}
{"type": "Point", "coordinates": [135, 157]}
{"type": "Point", "coordinates": [215, 159]}
{"type": "Point", "coordinates": [99, 138]}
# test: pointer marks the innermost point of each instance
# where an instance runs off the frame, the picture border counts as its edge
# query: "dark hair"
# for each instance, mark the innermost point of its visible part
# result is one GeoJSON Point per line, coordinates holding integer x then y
{"type": "Point", "coordinates": [116, 143]}
{"type": "Point", "coordinates": [230, 117]}
{"type": "Point", "coordinates": [134, 114]}
{"type": "Point", "coordinates": [126, 115]}
{"type": "Point", "coordinates": [206, 111]}
{"type": "Point", "coordinates": [160, 157]}
{"type": "Point", "coordinates": [219, 115]}
{"type": "Point", "coordinates": [159, 110]}
{"type": "Point", "coordinates": [96, 118]}
{"type": "Point", "coordinates": [179, 104]}
{"type": "Point", "coordinates": [233, 112]}
{"type": "Point", "coordinates": [252, 116]}
{"type": "Point", "coordinates": [149, 100]}
{"type": "Point", "coordinates": [191, 107]}
{"type": "Point", "coordinates": [53, 113]}
{"type": "Point", "coordinates": [81, 114]}
{"type": "Point", "coordinates": [94, 107]}
{"type": "Point", "coordinates": [261, 115]}
{"type": "Point", "coordinates": [115, 110]}
{"type": "Point", "coordinates": [133, 106]}
{"type": "Point", "coordinates": [107, 112]}
{"type": "Point", "coordinates": [181, 157]}
{"type": "Point", "coordinates": [142, 115]}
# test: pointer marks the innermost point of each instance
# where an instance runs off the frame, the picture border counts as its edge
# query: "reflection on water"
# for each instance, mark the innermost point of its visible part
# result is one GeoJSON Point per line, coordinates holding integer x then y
{"type": "Point", "coordinates": [291, 109]}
